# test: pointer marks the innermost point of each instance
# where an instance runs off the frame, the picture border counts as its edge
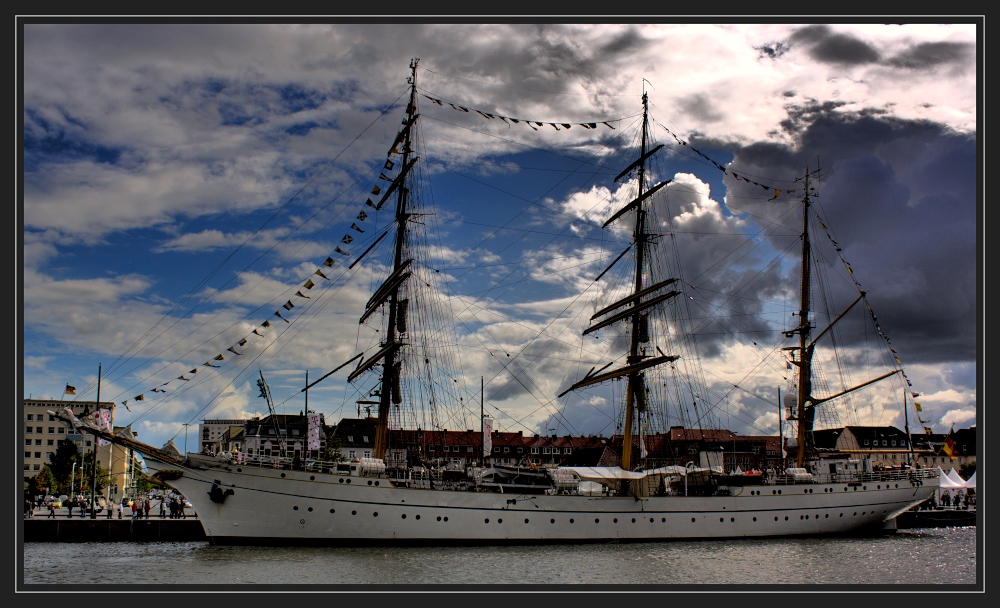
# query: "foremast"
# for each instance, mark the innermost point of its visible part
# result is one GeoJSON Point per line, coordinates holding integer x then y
{"type": "Point", "coordinates": [637, 308]}
{"type": "Point", "coordinates": [389, 391]}
{"type": "Point", "coordinates": [806, 412]}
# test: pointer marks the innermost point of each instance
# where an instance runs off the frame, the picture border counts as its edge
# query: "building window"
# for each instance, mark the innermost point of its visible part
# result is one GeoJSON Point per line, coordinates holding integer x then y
{"type": "Point", "coordinates": [31, 416]}
{"type": "Point", "coordinates": [62, 430]}
{"type": "Point", "coordinates": [52, 418]}
{"type": "Point", "coordinates": [546, 450]}
{"type": "Point", "coordinates": [27, 442]}
{"type": "Point", "coordinates": [350, 437]}
{"type": "Point", "coordinates": [468, 448]}
{"type": "Point", "coordinates": [38, 454]}
{"type": "Point", "coordinates": [506, 449]}
{"type": "Point", "coordinates": [893, 443]}
{"type": "Point", "coordinates": [368, 454]}
{"type": "Point", "coordinates": [866, 442]}
{"type": "Point", "coordinates": [496, 450]}
{"type": "Point", "coordinates": [27, 467]}
{"type": "Point", "coordinates": [38, 430]}
{"type": "Point", "coordinates": [520, 450]}
{"type": "Point", "coordinates": [27, 454]}
{"type": "Point", "coordinates": [36, 467]}
{"type": "Point", "coordinates": [894, 457]}
{"type": "Point", "coordinates": [446, 448]}
{"type": "Point", "coordinates": [50, 442]}
{"type": "Point", "coordinates": [567, 450]}
{"type": "Point", "coordinates": [534, 450]}
{"type": "Point", "coordinates": [48, 455]}
{"type": "Point", "coordinates": [883, 442]}
{"type": "Point", "coordinates": [365, 438]}
{"type": "Point", "coordinates": [88, 443]}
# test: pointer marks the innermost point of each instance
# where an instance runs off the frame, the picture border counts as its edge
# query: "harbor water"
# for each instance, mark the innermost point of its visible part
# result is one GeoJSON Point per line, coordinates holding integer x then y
{"type": "Point", "coordinates": [928, 556]}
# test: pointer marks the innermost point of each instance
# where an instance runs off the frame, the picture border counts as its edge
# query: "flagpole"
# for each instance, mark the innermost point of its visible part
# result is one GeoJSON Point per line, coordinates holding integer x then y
{"type": "Point", "coordinates": [906, 426]}
{"type": "Point", "coordinates": [93, 469]}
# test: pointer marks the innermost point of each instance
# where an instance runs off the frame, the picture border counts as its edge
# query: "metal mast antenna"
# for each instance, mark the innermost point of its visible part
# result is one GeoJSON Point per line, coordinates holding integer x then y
{"type": "Point", "coordinates": [391, 391]}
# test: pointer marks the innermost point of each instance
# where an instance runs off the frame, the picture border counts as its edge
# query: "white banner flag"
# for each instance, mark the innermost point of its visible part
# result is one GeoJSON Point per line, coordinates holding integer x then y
{"type": "Point", "coordinates": [487, 436]}
{"type": "Point", "coordinates": [104, 421]}
{"type": "Point", "coordinates": [312, 433]}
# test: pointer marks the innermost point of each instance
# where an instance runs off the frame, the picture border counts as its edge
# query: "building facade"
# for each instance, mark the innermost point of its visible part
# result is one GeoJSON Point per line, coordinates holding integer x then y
{"type": "Point", "coordinates": [211, 431]}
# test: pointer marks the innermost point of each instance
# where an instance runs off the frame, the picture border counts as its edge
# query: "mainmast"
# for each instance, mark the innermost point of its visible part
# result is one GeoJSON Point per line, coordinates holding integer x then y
{"type": "Point", "coordinates": [805, 419]}
{"type": "Point", "coordinates": [637, 308]}
{"type": "Point", "coordinates": [390, 391]}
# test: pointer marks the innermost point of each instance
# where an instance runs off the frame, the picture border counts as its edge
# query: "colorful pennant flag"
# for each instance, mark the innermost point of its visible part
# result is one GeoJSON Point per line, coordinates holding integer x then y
{"type": "Point", "coordinates": [355, 227]}
{"type": "Point", "coordinates": [347, 239]}
{"type": "Point", "coordinates": [362, 216]}
{"type": "Point", "coordinates": [70, 390]}
{"type": "Point", "coordinates": [949, 445]}
{"type": "Point", "coordinates": [232, 349]}
{"type": "Point", "coordinates": [278, 314]}
{"type": "Point", "coordinates": [309, 285]}
{"type": "Point", "coordinates": [376, 189]}
{"type": "Point", "coordinates": [301, 295]}
{"type": "Point", "coordinates": [288, 305]}
{"type": "Point", "coordinates": [218, 357]}
{"type": "Point", "coordinates": [329, 262]}
{"type": "Point", "coordinates": [388, 164]}
{"type": "Point", "coordinates": [917, 406]}
{"type": "Point", "coordinates": [320, 273]}
{"type": "Point", "coordinates": [341, 251]}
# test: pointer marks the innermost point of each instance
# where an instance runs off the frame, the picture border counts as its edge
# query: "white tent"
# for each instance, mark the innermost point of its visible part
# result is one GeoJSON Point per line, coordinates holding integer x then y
{"type": "Point", "coordinates": [953, 474]}
{"type": "Point", "coordinates": [947, 483]}
{"type": "Point", "coordinates": [971, 482]}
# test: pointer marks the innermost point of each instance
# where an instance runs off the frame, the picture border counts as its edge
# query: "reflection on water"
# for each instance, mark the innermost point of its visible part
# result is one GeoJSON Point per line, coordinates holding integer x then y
{"type": "Point", "coordinates": [928, 556]}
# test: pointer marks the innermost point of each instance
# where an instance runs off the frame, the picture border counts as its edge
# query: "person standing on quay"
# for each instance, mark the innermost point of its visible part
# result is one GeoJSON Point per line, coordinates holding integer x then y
{"type": "Point", "coordinates": [145, 508]}
{"type": "Point", "coordinates": [163, 512]}
{"type": "Point", "coordinates": [52, 510]}
{"type": "Point", "coordinates": [135, 508]}
{"type": "Point", "coordinates": [119, 506]}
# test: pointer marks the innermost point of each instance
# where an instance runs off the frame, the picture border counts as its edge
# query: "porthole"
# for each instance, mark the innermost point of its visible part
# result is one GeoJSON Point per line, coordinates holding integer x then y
{"type": "Point", "coordinates": [341, 480]}
{"type": "Point", "coordinates": [755, 519]}
{"type": "Point", "coordinates": [722, 519]}
{"type": "Point", "coordinates": [310, 509]}
{"type": "Point", "coordinates": [302, 521]}
{"type": "Point", "coordinates": [525, 520]}
{"type": "Point", "coordinates": [376, 482]}
{"type": "Point", "coordinates": [312, 478]}
{"type": "Point", "coordinates": [633, 520]}
{"type": "Point", "coordinates": [295, 508]}
{"type": "Point", "coordinates": [333, 510]}
{"type": "Point", "coordinates": [369, 482]}
{"type": "Point", "coordinates": [348, 481]}
{"type": "Point", "coordinates": [375, 514]}
{"type": "Point", "coordinates": [552, 521]}
{"type": "Point", "coordinates": [439, 518]}
{"type": "Point", "coordinates": [774, 491]}
{"type": "Point", "coordinates": [597, 520]}
{"type": "Point", "coordinates": [779, 491]}
{"type": "Point", "coordinates": [827, 516]}
{"type": "Point", "coordinates": [239, 470]}
{"type": "Point", "coordinates": [416, 517]}
{"type": "Point", "coordinates": [732, 519]}
{"type": "Point", "coordinates": [487, 520]}
{"type": "Point", "coordinates": [841, 514]}
{"type": "Point", "coordinates": [801, 517]}
{"type": "Point", "coordinates": [571, 520]}
{"type": "Point", "coordinates": [282, 474]}
{"type": "Point", "coordinates": [404, 516]}
{"type": "Point", "coordinates": [663, 519]}
{"type": "Point", "coordinates": [446, 519]}
{"type": "Point", "coordinates": [354, 512]}
{"type": "Point", "coordinates": [855, 514]}
{"type": "Point", "coordinates": [616, 520]}
{"type": "Point", "coordinates": [897, 485]}
{"type": "Point", "coordinates": [500, 521]}
{"type": "Point", "coordinates": [878, 488]}
{"type": "Point", "coordinates": [805, 491]}
{"type": "Point", "coordinates": [864, 487]}
{"type": "Point", "coordinates": [650, 520]}
{"type": "Point", "coordinates": [692, 520]}
{"type": "Point", "coordinates": [786, 518]}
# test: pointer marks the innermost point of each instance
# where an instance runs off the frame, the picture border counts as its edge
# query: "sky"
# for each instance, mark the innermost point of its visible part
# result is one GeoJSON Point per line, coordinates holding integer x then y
{"type": "Point", "coordinates": [182, 181]}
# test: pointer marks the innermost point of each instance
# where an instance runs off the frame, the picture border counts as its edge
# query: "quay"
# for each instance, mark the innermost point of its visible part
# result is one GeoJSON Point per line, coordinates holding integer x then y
{"type": "Point", "coordinates": [41, 529]}
{"type": "Point", "coordinates": [935, 518]}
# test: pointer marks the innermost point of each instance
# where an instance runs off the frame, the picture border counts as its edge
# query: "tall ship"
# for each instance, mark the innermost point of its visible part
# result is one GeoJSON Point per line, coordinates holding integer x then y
{"type": "Point", "coordinates": [278, 498]}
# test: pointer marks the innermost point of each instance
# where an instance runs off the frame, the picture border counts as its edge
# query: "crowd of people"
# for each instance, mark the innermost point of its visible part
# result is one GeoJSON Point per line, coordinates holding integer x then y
{"type": "Point", "coordinates": [138, 508]}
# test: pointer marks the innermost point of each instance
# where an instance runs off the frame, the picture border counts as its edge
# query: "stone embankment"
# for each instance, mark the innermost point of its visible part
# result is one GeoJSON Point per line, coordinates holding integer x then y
{"type": "Point", "coordinates": [41, 529]}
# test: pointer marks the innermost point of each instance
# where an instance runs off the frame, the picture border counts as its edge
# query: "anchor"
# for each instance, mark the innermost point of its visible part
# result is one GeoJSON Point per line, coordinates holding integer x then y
{"type": "Point", "coordinates": [217, 495]}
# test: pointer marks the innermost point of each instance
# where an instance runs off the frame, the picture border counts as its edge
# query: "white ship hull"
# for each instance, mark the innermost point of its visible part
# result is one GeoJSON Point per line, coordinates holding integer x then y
{"type": "Point", "coordinates": [274, 505]}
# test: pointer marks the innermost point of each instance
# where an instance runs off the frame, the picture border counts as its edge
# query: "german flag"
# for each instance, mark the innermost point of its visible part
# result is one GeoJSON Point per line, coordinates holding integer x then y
{"type": "Point", "coordinates": [949, 445]}
{"type": "Point", "coordinates": [70, 390]}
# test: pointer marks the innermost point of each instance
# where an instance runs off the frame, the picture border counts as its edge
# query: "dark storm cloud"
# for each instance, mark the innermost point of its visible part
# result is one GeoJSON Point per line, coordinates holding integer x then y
{"type": "Point", "coordinates": [900, 198]}
{"type": "Point", "coordinates": [831, 47]}
{"type": "Point", "coordinates": [931, 54]}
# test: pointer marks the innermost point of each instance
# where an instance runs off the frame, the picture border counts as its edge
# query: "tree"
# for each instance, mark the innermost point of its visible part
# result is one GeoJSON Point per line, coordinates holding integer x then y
{"type": "Point", "coordinates": [967, 470]}
{"type": "Point", "coordinates": [61, 461]}
{"type": "Point", "coordinates": [44, 481]}
{"type": "Point", "coordinates": [332, 453]}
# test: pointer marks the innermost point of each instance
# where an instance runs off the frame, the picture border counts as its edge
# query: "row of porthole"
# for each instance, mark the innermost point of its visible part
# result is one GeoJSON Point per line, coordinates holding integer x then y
{"type": "Point", "coordinates": [801, 517]}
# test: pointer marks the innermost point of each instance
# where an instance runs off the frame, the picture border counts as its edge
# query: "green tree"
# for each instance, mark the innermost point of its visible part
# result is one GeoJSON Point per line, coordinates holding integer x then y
{"type": "Point", "coordinates": [61, 462]}
{"type": "Point", "coordinates": [967, 470]}
{"type": "Point", "coordinates": [332, 453]}
{"type": "Point", "coordinates": [44, 481]}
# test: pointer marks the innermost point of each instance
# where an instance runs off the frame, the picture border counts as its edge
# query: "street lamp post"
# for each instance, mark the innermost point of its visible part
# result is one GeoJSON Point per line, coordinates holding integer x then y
{"type": "Point", "coordinates": [72, 480]}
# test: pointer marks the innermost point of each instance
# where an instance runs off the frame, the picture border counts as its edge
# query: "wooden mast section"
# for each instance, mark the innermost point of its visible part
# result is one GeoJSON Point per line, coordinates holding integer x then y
{"type": "Point", "coordinates": [637, 361]}
{"type": "Point", "coordinates": [805, 349]}
{"type": "Point", "coordinates": [390, 389]}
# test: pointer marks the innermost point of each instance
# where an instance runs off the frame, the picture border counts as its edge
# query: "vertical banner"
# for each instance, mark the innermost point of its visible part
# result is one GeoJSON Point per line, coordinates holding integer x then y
{"type": "Point", "coordinates": [487, 436]}
{"type": "Point", "coordinates": [312, 432]}
{"type": "Point", "coordinates": [104, 421]}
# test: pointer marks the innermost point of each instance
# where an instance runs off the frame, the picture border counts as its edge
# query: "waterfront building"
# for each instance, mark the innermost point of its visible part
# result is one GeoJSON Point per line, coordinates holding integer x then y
{"type": "Point", "coordinates": [279, 434]}
{"type": "Point", "coordinates": [42, 433]}
{"type": "Point", "coordinates": [933, 454]}
{"type": "Point", "coordinates": [211, 431]}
